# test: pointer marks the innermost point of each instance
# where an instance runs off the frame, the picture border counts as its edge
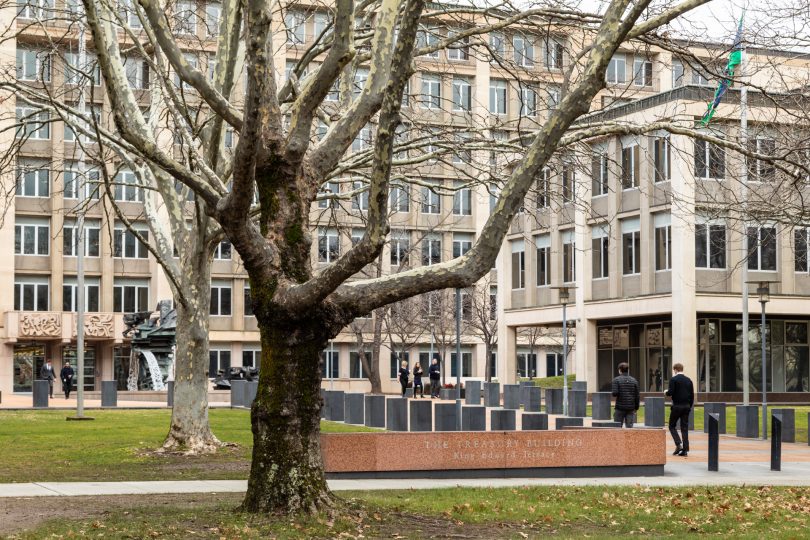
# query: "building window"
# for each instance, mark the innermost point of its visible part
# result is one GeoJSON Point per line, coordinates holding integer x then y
{"type": "Point", "coordinates": [400, 248]}
{"type": "Point", "coordinates": [800, 247]}
{"type": "Point", "coordinates": [466, 364]}
{"type": "Point", "coordinates": [600, 255]}
{"type": "Point", "coordinates": [462, 94]}
{"type": "Point", "coordinates": [328, 245]}
{"type": "Point", "coordinates": [599, 170]}
{"type": "Point", "coordinates": [631, 246]}
{"type": "Point", "coordinates": [32, 237]}
{"type": "Point", "coordinates": [294, 22]}
{"type": "Point", "coordinates": [70, 297]}
{"type": "Point", "coordinates": [518, 264]}
{"type": "Point", "coordinates": [710, 160]}
{"type": "Point", "coordinates": [497, 45]}
{"type": "Point", "coordinates": [70, 240]}
{"type": "Point", "coordinates": [75, 74]}
{"type": "Point", "coordinates": [569, 258]}
{"type": "Point", "coordinates": [34, 9]}
{"type": "Point", "coordinates": [33, 65]}
{"type": "Point", "coordinates": [524, 50]}
{"type": "Point", "coordinates": [431, 250]}
{"type": "Point", "coordinates": [126, 245]}
{"type": "Point", "coordinates": [220, 299]}
{"type": "Point", "coordinates": [359, 82]}
{"type": "Point", "coordinates": [528, 102]}
{"type": "Point", "coordinates": [360, 199]}
{"type": "Point", "coordinates": [137, 72]}
{"type": "Point", "coordinates": [33, 124]}
{"type": "Point", "coordinates": [218, 360]}
{"type": "Point", "coordinates": [677, 74]}
{"type": "Point", "coordinates": [569, 191]}
{"type": "Point", "coordinates": [431, 91]}
{"type": "Point", "coordinates": [248, 302]}
{"type": "Point", "coordinates": [497, 96]}
{"type": "Point", "coordinates": [428, 38]}
{"type": "Point", "coordinates": [399, 198]}
{"type": "Point", "coordinates": [213, 12]}
{"type": "Point", "coordinates": [330, 188]}
{"type": "Point", "coordinates": [330, 364]}
{"type": "Point", "coordinates": [542, 245]}
{"type": "Point", "coordinates": [462, 201]}
{"type": "Point", "coordinates": [322, 21]}
{"type": "Point", "coordinates": [663, 242]}
{"type": "Point", "coordinates": [760, 170]}
{"type": "Point", "coordinates": [127, 11]}
{"type": "Point", "coordinates": [493, 303]}
{"type": "Point", "coordinates": [72, 178]}
{"type": "Point", "coordinates": [553, 57]}
{"type": "Point", "coordinates": [431, 201]}
{"type": "Point", "coordinates": [462, 243]}
{"type": "Point", "coordinates": [31, 293]}
{"type": "Point", "coordinates": [710, 245]}
{"type": "Point", "coordinates": [251, 358]}
{"type": "Point", "coordinates": [663, 167]}
{"type": "Point", "coordinates": [356, 366]}
{"type": "Point", "coordinates": [762, 248]}
{"type": "Point", "coordinates": [630, 166]}
{"type": "Point", "coordinates": [130, 296]}
{"type": "Point", "coordinates": [542, 188]}
{"type": "Point", "coordinates": [127, 187]}
{"type": "Point", "coordinates": [642, 72]}
{"type": "Point", "coordinates": [617, 70]}
{"type": "Point", "coordinates": [363, 139]}
{"type": "Point", "coordinates": [700, 76]}
{"type": "Point", "coordinates": [223, 251]}
{"type": "Point", "coordinates": [460, 49]}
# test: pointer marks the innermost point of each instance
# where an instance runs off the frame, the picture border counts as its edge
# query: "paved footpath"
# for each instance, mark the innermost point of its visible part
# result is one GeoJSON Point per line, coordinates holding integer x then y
{"type": "Point", "coordinates": [677, 474]}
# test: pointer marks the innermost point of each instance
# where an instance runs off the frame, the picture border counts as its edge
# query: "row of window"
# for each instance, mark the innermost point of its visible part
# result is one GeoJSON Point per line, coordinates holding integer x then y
{"type": "Point", "coordinates": [399, 199]}
{"type": "Point", "coordinates": [329, 246]}
{"type": "Point", "coordinates": [642, 72]}
{"type": "Point", "coordinates": [710, 250]}
{"type": "Point", "coordinates": [330, 364]}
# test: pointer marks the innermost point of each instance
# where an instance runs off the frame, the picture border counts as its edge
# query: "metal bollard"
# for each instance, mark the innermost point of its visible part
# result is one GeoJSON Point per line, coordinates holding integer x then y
{"type": "Point", "coordinates": [776, 443]}
{"type": "Point", "coordinates": [714, 441]}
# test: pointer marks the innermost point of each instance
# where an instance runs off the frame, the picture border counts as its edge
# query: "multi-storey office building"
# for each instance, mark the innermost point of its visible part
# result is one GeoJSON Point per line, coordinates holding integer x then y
{"type": "Point", "coordinates": [654, 233]}
{"type": "Point", "coordinates": [471, 87]}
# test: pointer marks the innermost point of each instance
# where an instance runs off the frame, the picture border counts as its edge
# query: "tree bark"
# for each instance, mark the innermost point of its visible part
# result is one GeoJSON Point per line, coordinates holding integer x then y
{"type": "Point", "coordinates": [488, 362]}
{"type": "Point", "coordinates": [190, 431]}
{"type": "Point", "coordinates": [286, 474]}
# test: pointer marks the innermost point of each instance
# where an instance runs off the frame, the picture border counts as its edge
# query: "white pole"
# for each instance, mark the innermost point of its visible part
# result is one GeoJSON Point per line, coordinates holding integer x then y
{"type": "Point", "coordinates": [80, 296]}
{"type": "Point", "coordinates": [744, 197]}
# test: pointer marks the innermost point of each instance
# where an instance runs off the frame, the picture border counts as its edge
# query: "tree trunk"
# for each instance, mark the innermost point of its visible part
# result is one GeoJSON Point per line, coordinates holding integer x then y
{"type": "Point", "coordinates": [286, 474]}
{"type": "Point", "coordinates": [487, 362]}
{"type": "Point", "coordinates": [190, 431]}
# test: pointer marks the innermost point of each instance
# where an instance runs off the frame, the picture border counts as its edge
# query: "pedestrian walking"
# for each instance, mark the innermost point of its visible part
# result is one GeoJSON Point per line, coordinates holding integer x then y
{"type": "Point", "coordinates": [435, 374]}
{"type": "Point", "coordinates": [417, 380]}
{"type": "Point", "coordinates": [404, 375]}
{"type": "Point", "coordinates": [682, 392]}
{"type": "Point", "coordinates": [48, 374]}
{"type": "Point", "coordinates": [66, 375]}
{"type": "Point", "coordinates": [625, 389]}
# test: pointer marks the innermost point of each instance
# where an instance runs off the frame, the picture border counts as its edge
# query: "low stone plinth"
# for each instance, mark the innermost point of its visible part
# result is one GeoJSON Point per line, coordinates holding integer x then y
{"type": "Point", "coordinates": [570, 453]}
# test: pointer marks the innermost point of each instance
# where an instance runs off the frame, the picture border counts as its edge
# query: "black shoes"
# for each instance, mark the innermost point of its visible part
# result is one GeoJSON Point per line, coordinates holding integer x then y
{"type": "Point", "coordinates": [683, 453]}
{"type": "Point", "coordinates": [677, 451]}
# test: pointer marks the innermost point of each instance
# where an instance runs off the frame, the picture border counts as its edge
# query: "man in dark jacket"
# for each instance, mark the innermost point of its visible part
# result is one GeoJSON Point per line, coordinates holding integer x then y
{"type": "Point", "coordinates": [682, 393]}
{"type": "Point", "coordinates": [625, 390]}
{"type": "Point", "coordinates": [48, 374]}
{"type": "Point", "coordinates": [66, 375]}
{"type": "Point", "coordinates": [435, 374]}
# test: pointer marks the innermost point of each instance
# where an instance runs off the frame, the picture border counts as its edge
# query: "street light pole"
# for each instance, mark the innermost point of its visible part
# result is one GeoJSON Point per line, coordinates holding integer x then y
{"type": "Point", "coordinates": [763, 299]}
{"type": "Point", "coordinates": [565, 295]}
{"type": "Point", "coordinates": [458, 359]}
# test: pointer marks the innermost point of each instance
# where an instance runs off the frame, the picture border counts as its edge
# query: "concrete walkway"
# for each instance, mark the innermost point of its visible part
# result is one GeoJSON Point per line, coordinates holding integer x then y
{"type": "Point", "coordinates": [677, 475]}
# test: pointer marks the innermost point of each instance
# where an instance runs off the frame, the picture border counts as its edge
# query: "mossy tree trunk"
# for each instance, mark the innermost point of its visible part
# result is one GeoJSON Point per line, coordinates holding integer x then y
{"type": "Point", "coordinates": [287, 472]}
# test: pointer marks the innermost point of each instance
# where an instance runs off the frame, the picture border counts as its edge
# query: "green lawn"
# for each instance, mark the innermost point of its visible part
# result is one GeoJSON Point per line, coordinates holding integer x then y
{"type": "Point", "coordinates": [550, 382]}
{"type": "Point", "coordinates": [42, 446]}
{"type": "Point", "coordinates": [530, 512]}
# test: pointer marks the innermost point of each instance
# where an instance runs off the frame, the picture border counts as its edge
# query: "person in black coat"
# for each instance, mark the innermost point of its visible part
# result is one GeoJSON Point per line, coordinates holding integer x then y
{"type": "Point", "coordinates": [625, 389]}
{"type": "Point", "coordinates": [48, 374]}
{"type": "Point", "coordinates": [435, 373]}
{"type": "Point", "coordinates": [66, 375]}
{"type": "Point", "coordinates": [404, 375]}
{"type": "Point", "coordinates": [417, 380]}
{"type": "Point", "coordinates": [682, 392]}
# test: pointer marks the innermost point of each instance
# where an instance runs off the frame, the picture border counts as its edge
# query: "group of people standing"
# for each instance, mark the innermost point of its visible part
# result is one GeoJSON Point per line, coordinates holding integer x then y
{"type": "Point", "coordinates": [626, 391]}
{"type": "Point", "coordinates": [434, 374]}
{"type": "Point", "coordinates": [47, 373]}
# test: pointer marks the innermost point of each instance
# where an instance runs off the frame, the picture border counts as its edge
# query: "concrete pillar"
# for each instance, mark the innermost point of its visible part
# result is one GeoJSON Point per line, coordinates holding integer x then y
{"type": "Point", "coordinates": [507, 354]}
{"type": "Point", "coordinates": [684, 316]}
{"type": "Point", "coordinates": [585, 351]}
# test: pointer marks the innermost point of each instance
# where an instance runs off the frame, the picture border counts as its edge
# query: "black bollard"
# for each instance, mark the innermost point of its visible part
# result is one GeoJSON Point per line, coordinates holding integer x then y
{"type": "Point", "coordinates": [776, 443]}
{"type": "Point", "coordinates": [714, 441]}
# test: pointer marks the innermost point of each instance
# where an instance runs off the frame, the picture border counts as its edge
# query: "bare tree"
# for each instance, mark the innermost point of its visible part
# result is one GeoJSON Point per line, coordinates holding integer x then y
{"type": "Point", "coordinates": [278, 161]}
{"type": "Point", "coordinates": [483, 319]}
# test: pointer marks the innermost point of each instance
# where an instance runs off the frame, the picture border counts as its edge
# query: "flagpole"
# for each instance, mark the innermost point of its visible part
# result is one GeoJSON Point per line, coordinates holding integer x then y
{"type": "Point", "coordinates": [744, 273]}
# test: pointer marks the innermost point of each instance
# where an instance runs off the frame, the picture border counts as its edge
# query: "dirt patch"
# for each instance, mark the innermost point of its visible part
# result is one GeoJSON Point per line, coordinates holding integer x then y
{"type": "Point", "coordinates": [25, 513]}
